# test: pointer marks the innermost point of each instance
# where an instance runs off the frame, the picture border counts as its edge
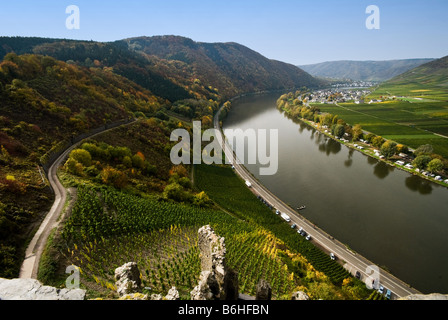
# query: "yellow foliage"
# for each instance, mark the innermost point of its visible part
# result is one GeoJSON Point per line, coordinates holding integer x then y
{"type": "Point", "coordinates": [346, 282]}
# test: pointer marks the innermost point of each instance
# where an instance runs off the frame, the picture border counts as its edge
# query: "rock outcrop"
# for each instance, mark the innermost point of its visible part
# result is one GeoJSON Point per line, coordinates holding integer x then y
{"type": "Point", "coordinates": [300, 295]}
{"type": "Point", "coordinates": [212, 252]}
{"type": "Point", "coordinates": [207, 289]}
{"type": "Point", "coordinates": [264, 290]}
{"type": "Point", "coordinates": [216, 282]}
{"type": "Point", "coordinates": [173, 294]}
{"type": "Point", "coordinates": [127, 279]}
{"type": "Point", "coordinates": [31, 289]}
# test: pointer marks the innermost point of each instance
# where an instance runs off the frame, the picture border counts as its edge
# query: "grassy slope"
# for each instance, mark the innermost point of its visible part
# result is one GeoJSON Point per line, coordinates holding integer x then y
{"type": "Point", "coordinates": [428, 81]}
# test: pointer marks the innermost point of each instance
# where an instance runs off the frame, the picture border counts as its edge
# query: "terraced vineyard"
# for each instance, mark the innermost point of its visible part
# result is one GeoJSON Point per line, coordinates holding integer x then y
{"type": "Point", "coordinates": [108, 228]}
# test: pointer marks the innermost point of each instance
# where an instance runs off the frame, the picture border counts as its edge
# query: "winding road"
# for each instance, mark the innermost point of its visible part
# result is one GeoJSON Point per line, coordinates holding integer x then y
{"type": "Point", "coordinates": [351, 261]}
{"type": "Point", "coordinates": [33, 253]}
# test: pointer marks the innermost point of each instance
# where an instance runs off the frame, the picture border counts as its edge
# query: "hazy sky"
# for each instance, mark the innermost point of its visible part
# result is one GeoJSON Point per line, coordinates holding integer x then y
{"type": "Point", "coordinates": [293, 31]}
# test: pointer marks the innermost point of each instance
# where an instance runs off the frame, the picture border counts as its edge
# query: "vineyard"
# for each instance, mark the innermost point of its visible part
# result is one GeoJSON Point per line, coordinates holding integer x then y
{"type": "Point", "coordinates": [224, 187]}
{"type": "Point", "coordinates": [107, 229]}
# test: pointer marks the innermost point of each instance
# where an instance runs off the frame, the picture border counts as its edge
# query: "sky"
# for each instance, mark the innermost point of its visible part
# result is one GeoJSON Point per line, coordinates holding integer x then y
{"type": "Point", "coordinates": [294, 31]}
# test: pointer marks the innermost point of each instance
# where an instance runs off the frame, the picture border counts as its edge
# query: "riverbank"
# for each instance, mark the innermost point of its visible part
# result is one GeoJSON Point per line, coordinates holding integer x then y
{"type": "Point", "coordinates": [368, 150]}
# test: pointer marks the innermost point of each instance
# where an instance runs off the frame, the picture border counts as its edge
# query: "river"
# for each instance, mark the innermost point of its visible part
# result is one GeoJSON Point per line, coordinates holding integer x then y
{"type": "Point", "coordinates": [397, 220]}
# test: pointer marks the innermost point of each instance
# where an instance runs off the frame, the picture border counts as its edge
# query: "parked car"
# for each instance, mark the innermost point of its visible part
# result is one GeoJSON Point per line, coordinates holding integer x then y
{"type": "Point", "coordinates": [308, 238]}
{"type": "Point", "coordinates": [358, 275]}
{"type": "Point", "coordinates": [293, 226]}
{"type": "Point", "coordinates": [388, 294]}
{"type": "Point", "coordinates": [332, 256]}
{"type": "Point", "coordinates": [381, 289]}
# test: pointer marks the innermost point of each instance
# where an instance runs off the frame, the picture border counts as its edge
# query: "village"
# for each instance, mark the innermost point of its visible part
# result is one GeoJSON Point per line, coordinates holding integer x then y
{"type": "Point", "coordinates": [338, 95]}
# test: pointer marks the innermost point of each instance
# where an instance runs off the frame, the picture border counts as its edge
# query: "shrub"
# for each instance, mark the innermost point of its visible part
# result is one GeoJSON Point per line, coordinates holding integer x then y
{"type": "Point", "coordinates": [202, 199]}
{"type": "Point", "coordinates": [82, 156]}
{"type": "Point", "coordinates": [114, 177]}
{"type": "Point", "coordinates": [127, 162]}
{"type": "Point", "coordinates": [176, 192]}
{"type": "Point", "coordinates": [149, 169]}
{"type": "Point", "coordinates": [74, 167]}
{"type": "Point", "coordinates": [12, 185]}
{"type": "Point", "coordinates": [138, 161]}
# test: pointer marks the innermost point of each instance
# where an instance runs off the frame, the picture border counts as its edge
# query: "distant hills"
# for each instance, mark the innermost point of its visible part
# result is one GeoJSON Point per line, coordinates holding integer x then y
{"type": "Point", "coordinates": [363, 70]}
{"type": "Point", "coordinates": [168, 66]}
{"type": "Point", "coordinates": [429, 80]}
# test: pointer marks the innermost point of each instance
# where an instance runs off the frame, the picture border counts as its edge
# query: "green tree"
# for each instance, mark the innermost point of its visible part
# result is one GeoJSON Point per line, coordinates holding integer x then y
{"type": "Point", "coordinates": [425, 149]}
{"type": "Point", "coordinates": [378, 141]}
{"type": "Point", "coordinates": [82, 156]}
{"type": "Point", "coordinates": [370, 137]}
{"type": "Point", "coordinates": [388, 149]}
{"type": "Point", "coordinates": [175, 192]}
{"type": "Point", "coordinates": [127, 162]}
{"type": "Point", "coordinates": [74, 167]}
{"type": "Point", "coordinates": [402, 148]}
{"type": "Point", "coordinates": [201, 199]}
{"type": "Point", "coordinates": [338, 130]}
{"type": "Point", "coordinates": [357, 132]}
{"type": "Point", "coordinates": [421, 162]}
{"type": "Point", "coordinates": [435, 165]}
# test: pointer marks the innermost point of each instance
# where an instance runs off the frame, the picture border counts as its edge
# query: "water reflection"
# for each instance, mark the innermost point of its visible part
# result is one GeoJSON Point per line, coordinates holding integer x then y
{"type": "Point", "coordinates": [330, 147]}
{"type": "Point", "coordinates": [419, 185]}
{"type": "Point", "coordinates": [382, 170]}
{"type": "Point", "coordinates": [372, 161]}
{"type": "Point", "coordinates": [349, 161]}
{"type": "Point", "coordinates": [302, 126]}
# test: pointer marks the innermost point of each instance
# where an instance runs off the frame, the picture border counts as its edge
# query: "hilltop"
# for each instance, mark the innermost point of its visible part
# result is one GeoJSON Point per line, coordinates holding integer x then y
{"type": "Point", "coordinates": [230, 67]}
{"type": "Point", "coordinates": [429, 80]}
{"type": "Point", "coordinates": [377, 71]}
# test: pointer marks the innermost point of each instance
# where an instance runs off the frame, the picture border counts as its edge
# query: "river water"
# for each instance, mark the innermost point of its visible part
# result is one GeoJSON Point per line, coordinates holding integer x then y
{"type": "Point", "coordinates": [396, 220]}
